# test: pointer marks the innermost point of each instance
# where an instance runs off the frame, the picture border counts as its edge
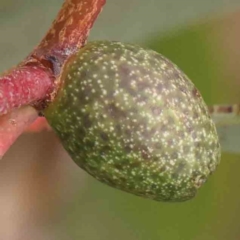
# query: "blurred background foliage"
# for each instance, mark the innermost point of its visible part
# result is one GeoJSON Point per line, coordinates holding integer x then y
{"type": "Point", "coordinates": [57, 200]}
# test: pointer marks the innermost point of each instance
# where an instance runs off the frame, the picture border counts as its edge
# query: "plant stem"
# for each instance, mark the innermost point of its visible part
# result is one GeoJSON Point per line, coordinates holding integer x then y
{"type": "Point", "coordinates": [39, 125]}
{"type": "Point", "coordinates": [13, 124]}
{"type": "Point", "coordinates": [70, 29]}
{"type": "Point", "coordinates": [23, 86]}
{"type": "Point", "coordinates": [33, 80]}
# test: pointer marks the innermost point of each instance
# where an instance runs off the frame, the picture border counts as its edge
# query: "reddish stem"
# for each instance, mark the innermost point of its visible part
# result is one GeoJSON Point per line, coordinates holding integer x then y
{"type": "Point", "coordinates": [32, 81]}
{"type": "Point", "coordinates": [23, 86]}
{"type": "Point", "coordinates": [70, 29]}
{"type": "Point", "coordinates": [39, 125]}
{"type": "Point", "coordinates": [12, 125]}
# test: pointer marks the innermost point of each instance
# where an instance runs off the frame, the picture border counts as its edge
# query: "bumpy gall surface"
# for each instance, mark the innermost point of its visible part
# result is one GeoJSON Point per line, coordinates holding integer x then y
{"type": "Point", "coordinates": [133, 120]}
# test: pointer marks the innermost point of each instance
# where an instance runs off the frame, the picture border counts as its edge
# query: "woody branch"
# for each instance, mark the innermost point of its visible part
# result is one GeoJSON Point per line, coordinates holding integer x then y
{"type": "Point", "coordinates": [31, 82]}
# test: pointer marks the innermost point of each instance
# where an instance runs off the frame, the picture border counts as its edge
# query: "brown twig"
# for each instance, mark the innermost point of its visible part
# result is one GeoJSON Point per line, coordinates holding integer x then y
{"type": "Point", "coordinates": [70, 30]}
{"type": "Point", "coordinates": [33, 80]}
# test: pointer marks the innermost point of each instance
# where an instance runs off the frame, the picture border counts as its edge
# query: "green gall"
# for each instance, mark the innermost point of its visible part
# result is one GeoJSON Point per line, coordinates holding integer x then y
{"type": "Point", "coordinates": [134, 121]}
